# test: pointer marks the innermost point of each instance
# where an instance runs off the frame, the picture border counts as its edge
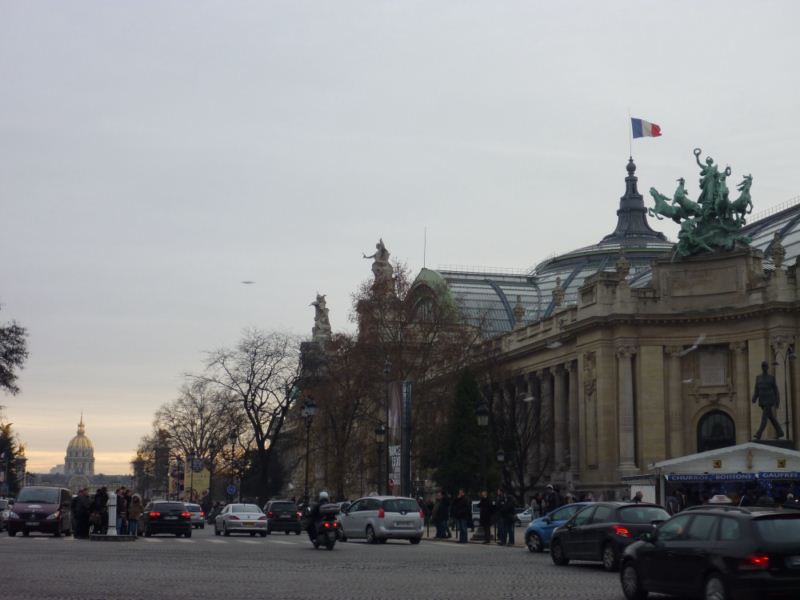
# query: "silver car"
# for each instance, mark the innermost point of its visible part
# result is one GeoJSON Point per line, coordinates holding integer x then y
{"type": "Point", "coordinates": [198, 516]}
{"type": "Point", "coordinates": [242, 518]}
{"type": "Point", "coordinates": [380, 518]}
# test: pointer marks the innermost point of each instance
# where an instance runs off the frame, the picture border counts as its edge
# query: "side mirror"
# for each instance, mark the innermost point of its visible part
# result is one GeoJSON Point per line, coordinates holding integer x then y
{"type": "Point", "coordinates": [548, 520]}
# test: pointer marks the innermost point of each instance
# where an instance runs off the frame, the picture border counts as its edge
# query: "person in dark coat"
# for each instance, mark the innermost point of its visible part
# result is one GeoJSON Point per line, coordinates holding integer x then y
{"type": "Point", "coordinates": [506, 515]}
{"type": "Point", "coordinates": [80, 513]}
{"type": "Point", "coordinates": [486, 507]}
{"type": "Point", "coordinates": [441, 513]}
{"type": "Point", "coordinates": [462, 513]}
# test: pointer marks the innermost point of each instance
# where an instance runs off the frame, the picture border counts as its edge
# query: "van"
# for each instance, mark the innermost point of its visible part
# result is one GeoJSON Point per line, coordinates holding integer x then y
{"type": "Point", "coordinates": [43, 509]}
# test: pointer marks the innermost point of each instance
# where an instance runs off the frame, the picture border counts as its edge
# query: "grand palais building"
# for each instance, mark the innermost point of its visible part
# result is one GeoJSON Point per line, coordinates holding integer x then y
{"type": "Point", "coordinates": [643, 364]}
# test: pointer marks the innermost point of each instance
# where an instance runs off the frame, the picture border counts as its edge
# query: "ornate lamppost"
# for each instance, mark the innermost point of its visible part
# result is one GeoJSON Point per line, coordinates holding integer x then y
{"type": "Point", "coordinates": [233, 436]}
{"type": "Point", "coordinates": [309, 408]}
{"type": "Point", "coordinates": [482, 415]}
{"type": "Point", "coordinates": [380, 441]}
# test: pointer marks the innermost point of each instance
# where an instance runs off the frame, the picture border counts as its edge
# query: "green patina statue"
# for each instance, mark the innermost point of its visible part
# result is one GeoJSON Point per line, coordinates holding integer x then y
{"type": "Point", "coordinates": [713, 222]}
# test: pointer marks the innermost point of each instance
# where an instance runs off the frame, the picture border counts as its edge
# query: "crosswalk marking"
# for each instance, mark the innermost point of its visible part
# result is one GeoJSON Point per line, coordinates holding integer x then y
{"type": "Point", "coordinates": [247, 542]}
{"type": "Point", "coordinates": [152, 540]}
{"type": "Point", "coordinates": [216, 541]}
{"type": "Point", "coordinates": [185, 541]}
{"type": "Point", "coordinates": [285, 543]}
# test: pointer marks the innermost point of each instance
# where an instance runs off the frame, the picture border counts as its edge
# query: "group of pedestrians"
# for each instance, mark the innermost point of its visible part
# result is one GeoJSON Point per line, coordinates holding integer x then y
{"type": "Point", "coordinates": [90, 513]}
{"type": "Point", "coordinates": [498, 511]}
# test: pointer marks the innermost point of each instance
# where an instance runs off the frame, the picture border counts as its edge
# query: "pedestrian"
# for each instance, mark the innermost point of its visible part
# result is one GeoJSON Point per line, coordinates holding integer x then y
{"type": "Point", "coordinates": [122, 511]}
{"type": "Point", "coordinates": [486, 508]}
{"type": "Point", "coordinates": [462, 513]}
{"type": "Point", "coordinates": [506, 515]}
{"type": "Point", "coordinates": [638, 497]}
{"type": "Point", "coordinates": [100, 511]}
{"type": "Point", "coordinates": [441, 513]}
{"type": "Point", "coordinates": [81, 512]}
{"type": "Point", "coordinates": [536, 505]}
{"type": "Point", "coordinates": [551, 499]}
{"type": "Point", "coordinates": [135, 510]}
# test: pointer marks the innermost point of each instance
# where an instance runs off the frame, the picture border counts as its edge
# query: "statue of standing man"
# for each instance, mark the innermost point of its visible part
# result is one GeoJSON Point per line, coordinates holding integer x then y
{"type": "Point", "coordinates": [381, 268]}
{"type": "Point", "coordinates": [766, 393]}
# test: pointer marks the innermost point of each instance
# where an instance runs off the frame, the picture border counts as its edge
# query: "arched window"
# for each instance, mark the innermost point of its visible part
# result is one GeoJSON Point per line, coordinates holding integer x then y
{"type": "Point", "coordinates": [715, 430]}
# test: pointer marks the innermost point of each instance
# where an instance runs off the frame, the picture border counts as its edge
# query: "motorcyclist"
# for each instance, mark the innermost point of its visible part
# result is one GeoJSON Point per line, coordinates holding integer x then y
{"type": "Point", "coordinates": [314, 514]}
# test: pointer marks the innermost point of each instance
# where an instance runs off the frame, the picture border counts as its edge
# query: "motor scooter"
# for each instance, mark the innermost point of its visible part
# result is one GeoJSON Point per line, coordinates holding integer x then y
{"type": "Point", "coordinates": [327, 529]}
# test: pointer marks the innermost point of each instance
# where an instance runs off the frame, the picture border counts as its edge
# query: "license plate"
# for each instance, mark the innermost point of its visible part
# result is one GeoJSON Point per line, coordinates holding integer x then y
{"type": "Point", "coordinates": [249, 524]}
{"type": "Point", "coordinates": [285, 515]}
{"type": "Point", "coordinates": [793, 562]}
{"type": "Point", "coordinates": [32, 523]}
{"type": "Point", "coordinates": [403, 524]}
{"type": "Point", "coordinates": [170, 518]}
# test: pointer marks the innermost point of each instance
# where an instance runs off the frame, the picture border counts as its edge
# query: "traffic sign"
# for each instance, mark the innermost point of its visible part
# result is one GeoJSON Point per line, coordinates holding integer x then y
{"type": "Point", "coordinates": [231, 489]}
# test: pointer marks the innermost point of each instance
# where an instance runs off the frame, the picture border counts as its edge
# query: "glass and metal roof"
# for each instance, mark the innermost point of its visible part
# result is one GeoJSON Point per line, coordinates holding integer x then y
{"type": "Point", "coordinates": [487, 297]}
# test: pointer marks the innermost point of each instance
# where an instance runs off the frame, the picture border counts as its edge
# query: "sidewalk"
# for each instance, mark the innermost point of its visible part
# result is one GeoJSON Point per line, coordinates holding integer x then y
{"type": "Point", "coordinates": [519, 534]}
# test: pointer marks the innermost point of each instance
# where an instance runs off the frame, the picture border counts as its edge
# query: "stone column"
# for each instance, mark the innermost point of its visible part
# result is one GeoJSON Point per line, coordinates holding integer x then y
{"type": "Point", "coordinates": [574, 425]}
{"type": "Point", "coordinates": [675, 400]}
{"type": "Point", "coordinates": [561, 439]}
{"type": "Point", "coordinates": [546, 421]}
{"type": "Point", "coordinates": [625, 406]}
{"type": "Point", "coordinates": [742, 406]}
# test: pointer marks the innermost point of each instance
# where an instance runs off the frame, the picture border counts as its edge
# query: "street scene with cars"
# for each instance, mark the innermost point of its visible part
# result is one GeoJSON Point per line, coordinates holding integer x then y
{"type": "Point", "coordinates": [377, 299]}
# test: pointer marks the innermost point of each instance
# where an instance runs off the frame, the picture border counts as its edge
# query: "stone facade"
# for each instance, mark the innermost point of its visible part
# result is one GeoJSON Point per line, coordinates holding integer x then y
{"type": "Point", "coordinates": [632, 376]}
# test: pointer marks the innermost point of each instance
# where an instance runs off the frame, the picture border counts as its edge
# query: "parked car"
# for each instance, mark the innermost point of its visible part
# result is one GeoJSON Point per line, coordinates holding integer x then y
{"type": "Point", "coordinates": [198, 516]}
{"type": "Point", "coordinates": [380, 518]}
{"type": "Point", "coordinates": [539, 532]}
{"type": "Point", "coordinates": [241, 518]}
{"type": "Point", "coordinates": [41, 508]}
{"type": "Point", "coordinates": [717, 553]}
{"type": "Point", "coordinates": [5, 507]}
{"type": "Point", "coordinates": [523, 516]}
{"type": "Point", "coordinates": [165, 516]}
{"type": "Point", "coordinates": [601, 531]}
{"type": "Point", "coordinates": [282, 515]}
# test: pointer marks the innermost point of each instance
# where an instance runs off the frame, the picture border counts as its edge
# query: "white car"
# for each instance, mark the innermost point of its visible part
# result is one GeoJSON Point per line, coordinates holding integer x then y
{"type": "Point", "coordinates": [241, 518]}
{"type": "Point", "coordinates": [524, 517]}
{"type": "Point", "coordinates": [379, 518]}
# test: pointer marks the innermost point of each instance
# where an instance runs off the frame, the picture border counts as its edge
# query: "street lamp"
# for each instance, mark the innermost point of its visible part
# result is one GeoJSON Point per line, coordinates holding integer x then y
{"type": "Point", "coordinates": [380, 440]}
{"type": "Point", "coordinates": [212, 453]}
{"type": "Point", "coordinates": [190, 460]}
{"type": "Point", "coordinates": [309, 408]}
{"type": "Point", "coordinates": [482, 416]}
{"type": "Point", "coordinates": [501, 456]}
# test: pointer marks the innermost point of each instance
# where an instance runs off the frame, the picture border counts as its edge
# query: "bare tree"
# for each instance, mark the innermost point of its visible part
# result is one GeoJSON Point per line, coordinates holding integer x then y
{"type": "Point", "coordinates": [13, 353]}
{"type": "Point", "coordinates": [259, 376]}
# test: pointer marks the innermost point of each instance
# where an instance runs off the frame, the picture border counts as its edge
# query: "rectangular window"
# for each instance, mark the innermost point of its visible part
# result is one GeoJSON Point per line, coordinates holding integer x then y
{"type": "Point", "coordinates": [713, 363]}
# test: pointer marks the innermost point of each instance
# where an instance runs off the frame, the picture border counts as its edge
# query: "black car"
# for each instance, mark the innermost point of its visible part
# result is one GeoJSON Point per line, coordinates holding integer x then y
{"type": "Point", "coordinates": [282, 515]}
{"type": "Point", "coordinates": [163, 516]}
{"type": "Point", "coordinates": [601, 531]}
{"type": "Point", "coordinates": [717, 553]}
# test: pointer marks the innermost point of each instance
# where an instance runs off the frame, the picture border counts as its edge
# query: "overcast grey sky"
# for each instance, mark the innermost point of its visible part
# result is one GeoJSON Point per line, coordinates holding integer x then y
{"type": "Point", "coordinates": [155, 154]}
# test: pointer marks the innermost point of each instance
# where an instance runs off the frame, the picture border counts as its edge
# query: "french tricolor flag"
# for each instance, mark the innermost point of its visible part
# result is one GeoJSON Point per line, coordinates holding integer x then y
{"type": "Point", "coordinates": [642, 128]}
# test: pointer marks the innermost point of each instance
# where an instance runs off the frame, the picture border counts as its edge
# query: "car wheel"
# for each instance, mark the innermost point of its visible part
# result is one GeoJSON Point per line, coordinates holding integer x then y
{"type": "Point", "coordinates": [371, 539]}
{"type": "Point", "coordinates": [225, 530]}
{"type": "Point", "coordinates": [382, 540]}
{"type": "Point", "coordinates": [610, 558]}
{"type": "Point", "coordinates": [216, 531]}
{"type": "Point", "coordinates": [415, 540]}
{"type": "Point", "coordinates": [188, 534]}
{"type": "Point", "coordinates": [252, 534]}
{"type": "Point", "coordinates": [26, 533]}
{"type": "Point", "coordinates": [202, 526]}
{"type": "Point", "coordinates": [11, 533]}
{"type": "Point", "coordinates": [629, 578]}
{"type": "Point", "coordinates": [263, 533]}
{"type": "Point", "coordinates": [297, 532]}
{"type": "Point", "coordinates": [557, 554]}
{"type": "Point", "coordinates": [534, 543]}
{"type": "Point", "coordinates": [286, 532]}
{"type": "Point", "coordinates": [57, 532]}
{"type": "Point", "coordinates": [715, 588]}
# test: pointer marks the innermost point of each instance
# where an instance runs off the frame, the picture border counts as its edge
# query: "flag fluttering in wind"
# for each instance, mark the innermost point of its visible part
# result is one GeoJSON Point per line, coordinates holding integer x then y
{"type": "Point", "coordinates": [642, 128]}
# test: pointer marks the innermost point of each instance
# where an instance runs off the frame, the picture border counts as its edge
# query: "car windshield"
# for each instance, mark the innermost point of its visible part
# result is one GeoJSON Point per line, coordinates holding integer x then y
{"type": "Point", "coordinates": [169, 506]}
{"type": "Point", "coordinates": [401, 505]}
{"type": "Point", "coordinates": [193, 508]}
{"type": "Point", "coordinates": [38, 495]}
{"type": "Point", "coordinates": [642, 514]}
{"type": "Point", "coordinates": [245, 508]}
{"type": "Point", "coordinates": [282, 506]}
{"type": "Point", "coordinates": [779, 529]}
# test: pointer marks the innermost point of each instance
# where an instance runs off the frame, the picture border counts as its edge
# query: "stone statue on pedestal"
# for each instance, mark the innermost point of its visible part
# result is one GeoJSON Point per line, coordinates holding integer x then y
{"type": "Point", "coordinates": [322, 325]}
{"type": "Point", "coordinates": [381, 267]}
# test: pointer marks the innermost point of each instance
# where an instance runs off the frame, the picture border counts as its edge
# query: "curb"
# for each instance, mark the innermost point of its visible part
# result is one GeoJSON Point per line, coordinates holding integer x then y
{"type": "Point", "coordinates": [100, 537]}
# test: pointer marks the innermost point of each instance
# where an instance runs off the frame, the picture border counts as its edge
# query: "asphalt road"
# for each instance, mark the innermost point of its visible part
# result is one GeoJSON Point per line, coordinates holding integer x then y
{"type": "Point", "coordinates": [286, 567]}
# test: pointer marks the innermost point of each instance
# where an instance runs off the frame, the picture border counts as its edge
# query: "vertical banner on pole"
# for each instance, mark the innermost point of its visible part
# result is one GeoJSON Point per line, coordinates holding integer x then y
{"type": "Point", "coordinates": [406, 441]}
{"type": "Point", "coordinates": [395, 437]}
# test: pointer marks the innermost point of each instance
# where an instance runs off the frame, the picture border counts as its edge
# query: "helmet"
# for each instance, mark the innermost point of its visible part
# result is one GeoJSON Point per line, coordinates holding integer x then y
{"type": "Point", "coordinates": [323, 496]}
